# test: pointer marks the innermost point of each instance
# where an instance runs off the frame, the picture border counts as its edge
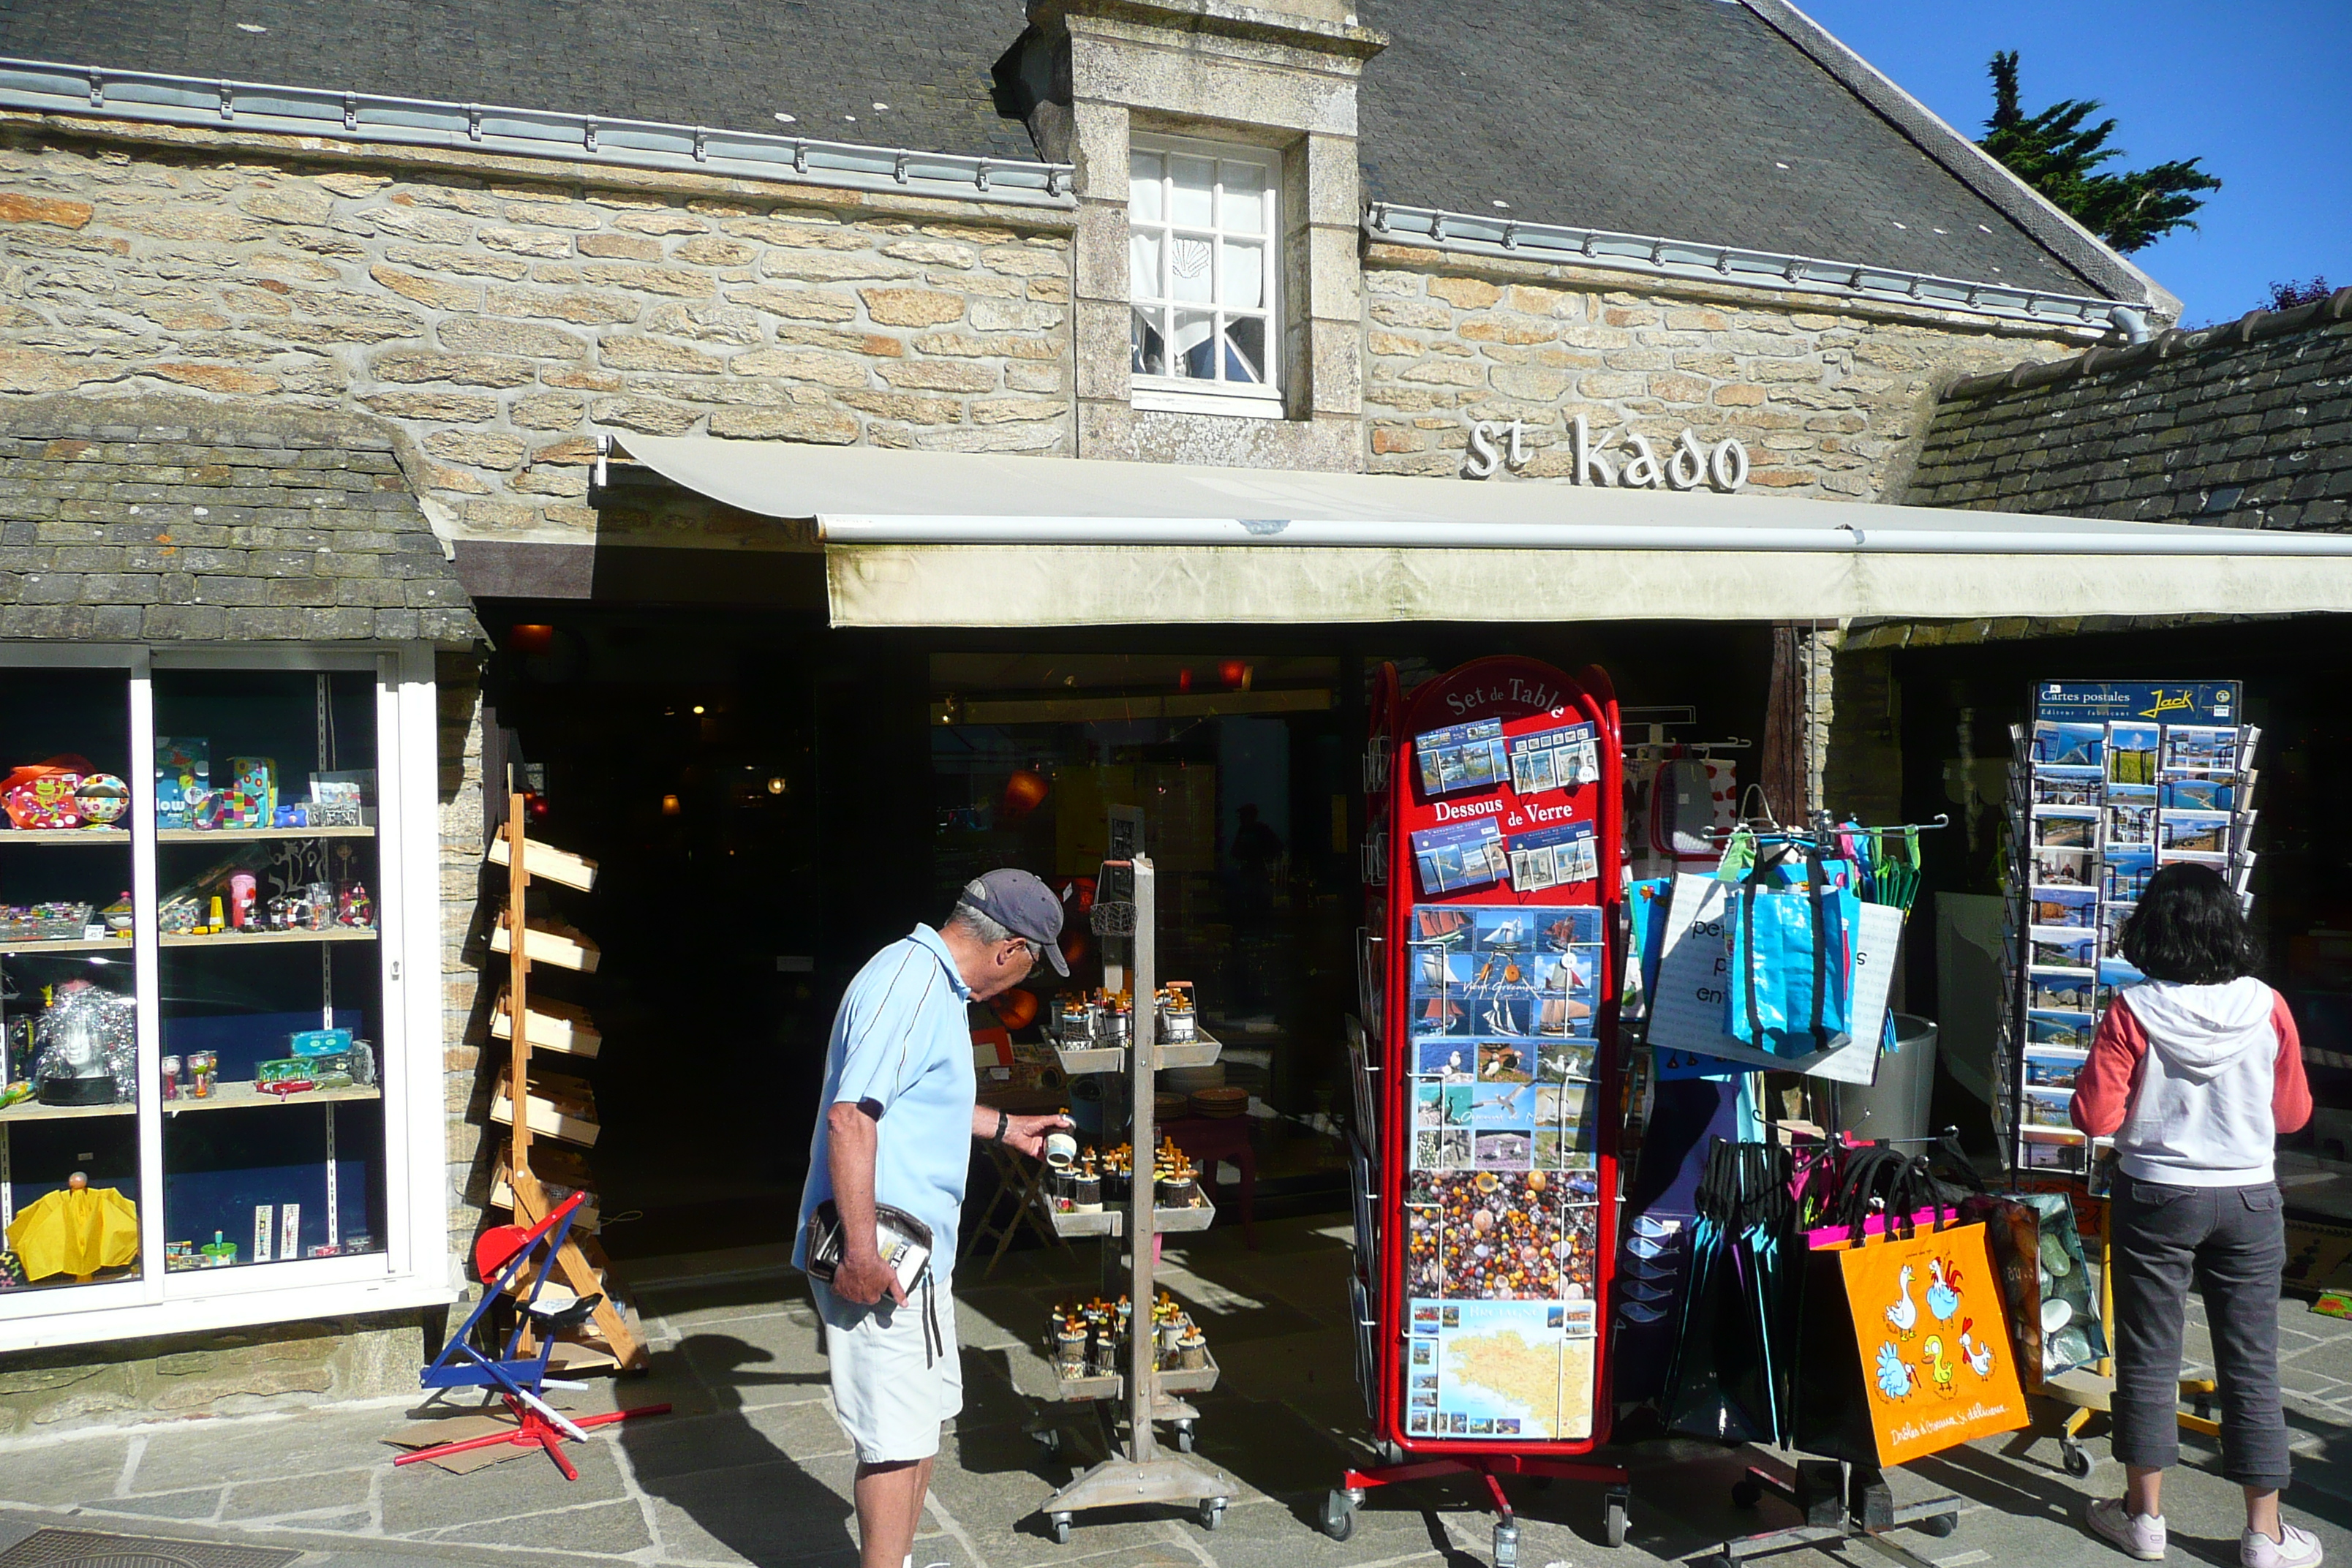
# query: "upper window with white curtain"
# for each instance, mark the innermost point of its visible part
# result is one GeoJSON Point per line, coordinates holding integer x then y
{"type": "Point", "coordinates": [1202, 238]}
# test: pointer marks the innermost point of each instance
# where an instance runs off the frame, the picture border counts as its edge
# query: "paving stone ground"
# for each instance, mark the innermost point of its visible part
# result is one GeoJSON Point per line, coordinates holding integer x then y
{"type": "Point", "coordinates": [751, 1465]}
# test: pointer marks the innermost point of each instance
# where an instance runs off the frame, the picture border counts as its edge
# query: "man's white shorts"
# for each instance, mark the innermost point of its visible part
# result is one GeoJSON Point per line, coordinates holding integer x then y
{"type": "Point", "coordinates": [895, 1377]}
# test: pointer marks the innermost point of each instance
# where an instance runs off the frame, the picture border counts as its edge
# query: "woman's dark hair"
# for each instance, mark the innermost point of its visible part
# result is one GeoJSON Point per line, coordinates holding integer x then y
{"type": "Point", "coordinates": [2189, 929]}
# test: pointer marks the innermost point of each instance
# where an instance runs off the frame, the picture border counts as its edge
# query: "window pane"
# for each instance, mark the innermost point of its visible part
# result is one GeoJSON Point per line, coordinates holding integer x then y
{"type": "Point", "coordinates": [270, 967]}
{"type": "Point", "coordinates": [1147, 345]}
{"type": "Point", "coordinates": [1244, 276]}
{"type": "Point", "coordinates": [1195, 337]}
{"type": "Point", "coordinates": [1188, 268]}
{"type": "Point", "coordinates": [1143, 251]}
{"type": "Point", "coordinates": [1189, 202]}
{"type": "Point", "coordinates": [1243, 211]}
{"type": "Point", "coordinates": [68, 1029]}
{"type": "Point", "coordinates": [1143, 171]}
{"type": "Point", "coordinates": [1246, 349]}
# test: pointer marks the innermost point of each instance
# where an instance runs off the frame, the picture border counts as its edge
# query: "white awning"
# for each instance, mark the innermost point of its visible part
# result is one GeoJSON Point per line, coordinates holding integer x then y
{"type": "Point", "coordinates": [934, 539]}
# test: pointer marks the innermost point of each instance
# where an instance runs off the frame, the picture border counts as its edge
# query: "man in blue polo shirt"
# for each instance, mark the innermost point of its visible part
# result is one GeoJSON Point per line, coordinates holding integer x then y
{"type": "Point", "coordinates": [897, 1128]}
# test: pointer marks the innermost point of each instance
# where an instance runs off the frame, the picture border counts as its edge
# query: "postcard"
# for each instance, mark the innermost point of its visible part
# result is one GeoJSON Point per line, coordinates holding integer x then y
{"type": "Point", "coordinates": [2130, 824]}
{"type": "Point", "coordinates": [2062, 992]}
{"type": "Point", "coordinates": [2050, 1066]}
{"type": "Point", "coordinates": [1512, 1150]}
{"type": "Point", "coordinates": [1460, 756]}
{"type": "Point", "coordinates": [1428, 1105]}
{"type": "Point", "coordinates": [1552, 856]}
{"type": "Point", "coordinates": [2219, 862]}
{"type": "Point", "coordinates": [2118, 972]}
{"type": "Point", "coordinates": [2127, 872]}
{"type": "Point", "coordinates": [2065, 826]}
{"type": "Point", "coordinates": [2217, 792]}
{"type": "Point", "coordinates": [2201, 748]}
{"type": "Point", "coordinates": [2071, 1030]}
{"type": "Point", "coordinates": [2204, 831]}
{"type": "Point", "coordinates": [2132, 752]}
{"type": "Point", "coordinates": [1494, 1105]}
{"type": "Point", "coordinates": [2066, 786]}
{"type": "Point", "coordinates": [1510, 1016]}
{"type": "Point", "coordinates": [1576, 971]}
{"type": "Point", "coordinates": [1509, 930]}
{"type": "Point", "coordinates": [1561, 1061]}
{"type": "Point", "coordinates": [2061, 906]}
{"type": "Point", "coordinates": [1438, 968]}
{"type": "Point", "coordinates": [1443, 1150]}
{"type": "Point", "coordinates": [1559, 1016]}
{"type": "Point", "coordinates": [1564, 926]}
{"type": "Point", "coordinates": [2067, 950]}
{"type": "Point", "coordinates": [2063, 868]}
{"type": "Point", "coordinates": [1505, 1061]}
{"type": "Point", "coordinates": [1466, 855]}
{"type": "Point", "coordinates": [1559, 758]}
{"type": "Point", "coordinates": [2069, 745]}
{"type": "Point", "coordinates": [2053, 1153]}
{"type": "Point", "coordinates": [1451, 1059]}
{"type": "Point", "coordinates": [2046, 1106]}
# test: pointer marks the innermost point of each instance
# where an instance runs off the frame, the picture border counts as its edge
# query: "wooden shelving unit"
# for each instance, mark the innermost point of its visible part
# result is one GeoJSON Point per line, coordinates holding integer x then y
{"type": "Point", "coordinates": [65, 944]}
{"type": "Point", "coordinates": [254, 835]}
{"type": "Point", "coordinates": [267, 938]}
{"type": "Point", "coordinates": [66, 836]}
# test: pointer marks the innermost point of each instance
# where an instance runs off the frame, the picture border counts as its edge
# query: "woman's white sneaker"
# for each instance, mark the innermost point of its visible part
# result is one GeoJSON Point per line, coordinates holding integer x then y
{"type": "Point", "coordinates": [2140, 1535]}
{"type": "Point", "coordinates": [2293, 1548]}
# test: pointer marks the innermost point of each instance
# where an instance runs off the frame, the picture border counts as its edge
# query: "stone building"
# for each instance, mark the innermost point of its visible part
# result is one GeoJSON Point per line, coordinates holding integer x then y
{"type": "Point", "coordinates": [308, 273]}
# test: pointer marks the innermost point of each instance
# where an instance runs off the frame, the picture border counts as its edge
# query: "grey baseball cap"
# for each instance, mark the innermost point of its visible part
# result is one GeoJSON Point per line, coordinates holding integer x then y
{"type": "Point", "coordinates": [1023, 905]}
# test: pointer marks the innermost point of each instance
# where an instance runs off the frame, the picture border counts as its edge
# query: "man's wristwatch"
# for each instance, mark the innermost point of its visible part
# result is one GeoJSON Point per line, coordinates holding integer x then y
{"type": "Point", "coordinates": [1004, 1125]}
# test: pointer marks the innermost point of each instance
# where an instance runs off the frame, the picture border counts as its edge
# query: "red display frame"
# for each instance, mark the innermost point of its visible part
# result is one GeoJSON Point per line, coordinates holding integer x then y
{"type": "Point", "coordinates": [1527, 696]}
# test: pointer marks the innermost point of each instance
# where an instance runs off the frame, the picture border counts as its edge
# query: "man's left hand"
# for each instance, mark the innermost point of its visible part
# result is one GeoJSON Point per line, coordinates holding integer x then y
{"type": "Point", "coordinates": [1026, 1134]}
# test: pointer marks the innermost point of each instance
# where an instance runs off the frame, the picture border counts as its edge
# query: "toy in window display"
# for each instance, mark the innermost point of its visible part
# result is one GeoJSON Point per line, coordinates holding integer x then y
{"type": "Point", "coordinates": [40, 796]}
{"type": "Point", "coordinates": [76, 1231]}
{"type": "Point", "coordinates": [85, 1045]}
{"type": "Point", "coordinates": [354, 908]}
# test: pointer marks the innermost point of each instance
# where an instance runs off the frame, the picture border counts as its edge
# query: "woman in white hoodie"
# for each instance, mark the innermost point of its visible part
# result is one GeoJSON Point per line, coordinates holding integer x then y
{"type": "Point", "coordinates": [2196, 1070]}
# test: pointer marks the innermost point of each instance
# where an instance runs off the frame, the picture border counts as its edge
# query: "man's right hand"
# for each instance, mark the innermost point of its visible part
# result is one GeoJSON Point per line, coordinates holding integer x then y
{"type": "Point", "coordinates": [864, 1278]}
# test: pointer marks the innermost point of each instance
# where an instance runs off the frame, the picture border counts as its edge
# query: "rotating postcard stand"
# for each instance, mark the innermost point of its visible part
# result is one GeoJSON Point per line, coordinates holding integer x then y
{"type": "Point", "coordinates": [1488, 1219]}
{"type": "Point", "coordinates": [1143, 1474]}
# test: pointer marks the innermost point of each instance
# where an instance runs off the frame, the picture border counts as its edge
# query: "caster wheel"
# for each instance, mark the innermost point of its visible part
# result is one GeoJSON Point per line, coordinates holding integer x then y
{"type": "Point", "coordinates": [2076, 1460]}
{"type": "Point", "coordinates": [1061, 1524]}
{"type": "Point", "coordinates": [1212, 1513]}
{"type": "Point", "coordinates": [1746, 1494]}
{"type": "Point", "coordinates": [1184, 1437]}
{"type": "Point", "coordinates": [1940, 1525]}
{"type": "Point", "coordinates": [1339, 1520]}
{"type": "Point", "coordinates": [1619, 1507]}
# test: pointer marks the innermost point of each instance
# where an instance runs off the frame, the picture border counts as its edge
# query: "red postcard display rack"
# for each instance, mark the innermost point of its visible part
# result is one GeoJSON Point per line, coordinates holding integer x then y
{"type": "Point", "coordinates": [1495, 826]}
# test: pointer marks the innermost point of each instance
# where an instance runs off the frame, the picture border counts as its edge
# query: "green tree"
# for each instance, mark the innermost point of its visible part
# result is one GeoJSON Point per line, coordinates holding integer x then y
{"type": "Point", "coordinates": [2057, 157]}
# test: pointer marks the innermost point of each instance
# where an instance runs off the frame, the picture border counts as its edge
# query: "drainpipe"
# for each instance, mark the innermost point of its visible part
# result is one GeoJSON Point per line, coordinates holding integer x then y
{"type": "Point", "coordinates": [2132, 324]}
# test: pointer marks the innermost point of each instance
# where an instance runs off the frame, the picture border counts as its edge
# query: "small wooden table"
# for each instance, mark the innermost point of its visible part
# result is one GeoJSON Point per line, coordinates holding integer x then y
{"type": "Point", "coordinates": [1209, 1139]}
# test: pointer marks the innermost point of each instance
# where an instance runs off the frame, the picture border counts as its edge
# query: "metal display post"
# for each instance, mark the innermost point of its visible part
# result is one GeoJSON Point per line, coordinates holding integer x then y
{"type": "Point", "coordinates": [1144, 1475]}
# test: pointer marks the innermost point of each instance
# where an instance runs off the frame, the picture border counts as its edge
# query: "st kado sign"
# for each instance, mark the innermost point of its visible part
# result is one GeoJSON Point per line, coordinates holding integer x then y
{"type": "Point", "coordinates": [1687, 467]}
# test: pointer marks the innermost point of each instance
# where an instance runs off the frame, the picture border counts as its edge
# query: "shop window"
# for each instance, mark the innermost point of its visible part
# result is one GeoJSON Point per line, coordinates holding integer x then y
{"type": "Point", "coordinates": [201, 988]}
{"type": "Point", "coordinates": [1202, 238]}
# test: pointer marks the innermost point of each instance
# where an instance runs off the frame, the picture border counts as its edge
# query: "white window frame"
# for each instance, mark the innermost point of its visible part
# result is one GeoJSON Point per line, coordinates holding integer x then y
{"type": "Point", "coordinates": [1189, 395]}
{"type": "Point", "coordinates": [413, 1270]}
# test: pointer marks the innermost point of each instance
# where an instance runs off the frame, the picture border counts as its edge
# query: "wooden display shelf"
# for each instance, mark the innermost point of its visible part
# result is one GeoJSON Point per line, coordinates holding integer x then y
{"type": "Point", "coordinates": [550, 942]}
{"type": "Point", "coordinates": [67, 944]}
{"type": "Point", "coordinates": [558, 1167]}
{"type": "Point", "coordinates": [268, 938]}
{"type": "Point", "coordinates": [561, 1107]}
{"type": "Point", "coordinates": [546, 863]}
{"type": "Point", "coordinates": [34, 1111]}
{"type": "Point", "coordinates": [243, 1094]}
{"type": "Point", "coordinates": [1112, 1219]}
{"type": "Point", "coordinates": [55, 836]}
{"type": "Point", "coordinates": [254, 835]}
{"type": "Point", "coordinates": [1197, 1052]}
{"type": "Point", "coordinates": [1080, 1389]}
{"type": "Point", "coordinates": [552, 1025]}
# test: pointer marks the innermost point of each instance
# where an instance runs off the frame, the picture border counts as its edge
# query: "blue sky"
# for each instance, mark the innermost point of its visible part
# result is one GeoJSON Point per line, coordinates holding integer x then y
{"type": "Point", "coordinates": [2255, 87]}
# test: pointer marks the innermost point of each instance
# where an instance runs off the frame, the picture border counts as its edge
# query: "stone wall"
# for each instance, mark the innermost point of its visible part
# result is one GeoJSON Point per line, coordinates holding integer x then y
{"type": "Point", "coordinates": [1831, 399]}
{"type": "Point", "coordinates": [235, 1371]}
{"type": "Point", "coordinates": [500, 320]}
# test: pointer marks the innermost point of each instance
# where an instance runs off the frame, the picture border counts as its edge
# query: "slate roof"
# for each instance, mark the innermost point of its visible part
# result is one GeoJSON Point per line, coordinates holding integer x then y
{"type": "Point", "coordinates": [2244, 426]}
{"type": "Point", "coordinates": [1654, 117]}
{"type": "Point", "coordinates": [165, 519]}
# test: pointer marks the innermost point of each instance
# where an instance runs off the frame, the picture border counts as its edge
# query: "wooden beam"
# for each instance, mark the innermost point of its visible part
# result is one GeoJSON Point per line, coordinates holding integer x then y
{"type": "Point", "coordinates": [548, 864]}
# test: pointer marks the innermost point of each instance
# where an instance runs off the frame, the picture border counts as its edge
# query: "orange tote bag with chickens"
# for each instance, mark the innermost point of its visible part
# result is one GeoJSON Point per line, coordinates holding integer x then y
{"type": "Point", "coordinates": [1937, 1368]}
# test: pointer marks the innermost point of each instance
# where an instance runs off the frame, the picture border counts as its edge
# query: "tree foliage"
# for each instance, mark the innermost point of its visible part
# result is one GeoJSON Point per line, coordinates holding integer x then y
{"type": "Point", "coordinates": [2058, 156]}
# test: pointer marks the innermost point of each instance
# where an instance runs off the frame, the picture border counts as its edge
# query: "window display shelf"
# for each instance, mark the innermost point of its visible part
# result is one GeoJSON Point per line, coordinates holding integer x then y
{"type": "Point", "coordinates": [34, 1111]}
{"type": "Point", "coordinates": [68, 944]}
{"type": "Point", "coordinates": [1199, 1053]}
{"type": "Point", "coordinates": [265, 938]}
{"type": "Point", "coordinates": [240, 1095]}
{"type": "Point", "coordinates": [253, 835]}
{"type": "Point", "coordinates": [1112, 1220]}
{"type": "Point", "coordinates": [84, 836]}
{"type": "Point", "coordinates": [1171, 1380]}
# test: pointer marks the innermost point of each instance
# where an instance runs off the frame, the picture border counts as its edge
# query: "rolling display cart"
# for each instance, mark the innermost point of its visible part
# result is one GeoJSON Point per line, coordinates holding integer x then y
{"type": "Point", "coordinates": [1487, 1084]}
{"type": "Point", "coordinates": [1143, 1473]}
